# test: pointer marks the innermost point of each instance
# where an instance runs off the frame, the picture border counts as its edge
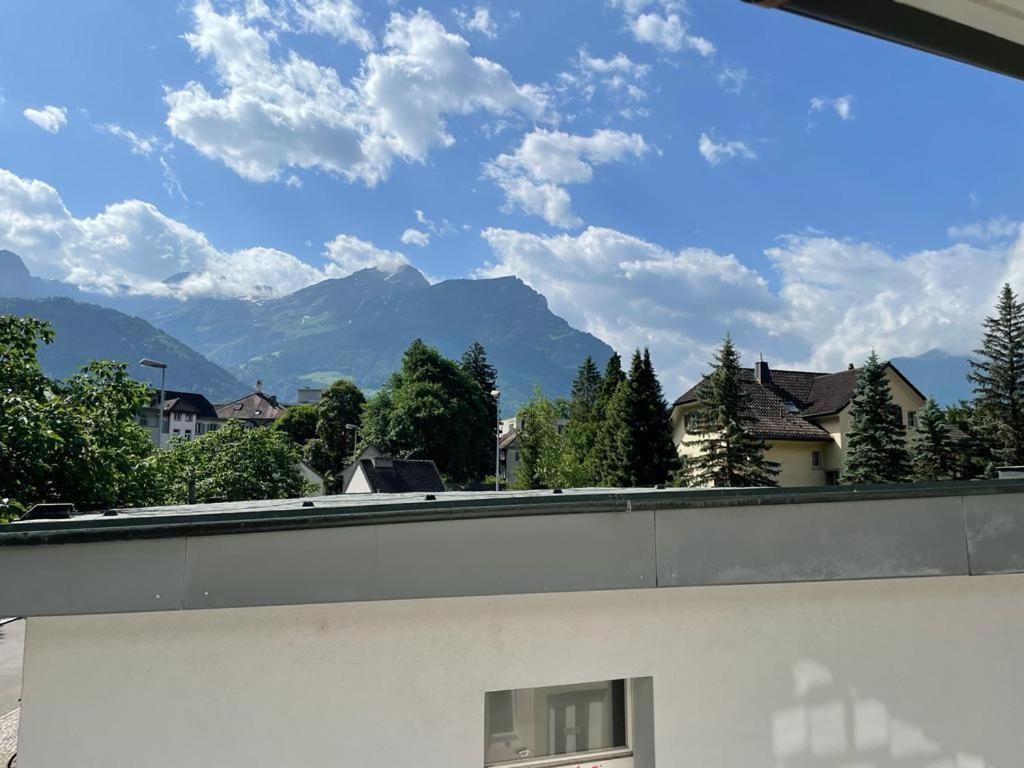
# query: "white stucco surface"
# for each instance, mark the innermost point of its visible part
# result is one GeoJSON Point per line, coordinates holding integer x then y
{"type": "Point", "coordinates": [872, 674]}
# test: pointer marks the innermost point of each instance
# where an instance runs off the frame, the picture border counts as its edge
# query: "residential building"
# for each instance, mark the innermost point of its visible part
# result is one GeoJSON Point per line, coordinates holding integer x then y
{"type": "Point", "coordinates": [257, 408]}
{"type": "Point", "coordinates": [803, 417]}
{"type": "Point", "coordinates": [634, 628]}
{"type": "Point", "coordinates": [508, 457]}
{"type": "Point", "coordinates": [186, 414]}
{"type": "Point", "coordinates": [384, 474]}
{"type": "Point", "coordinates": [309, 396]}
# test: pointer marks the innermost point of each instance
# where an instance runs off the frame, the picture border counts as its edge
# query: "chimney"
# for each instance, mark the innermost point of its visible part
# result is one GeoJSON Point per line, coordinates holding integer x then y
{"type": "Point", "coordinates": [850, 367]}
{"type": "Point", "coordinates": [761, 372]}
{"type": "Point", "coordinates": [259, 385]}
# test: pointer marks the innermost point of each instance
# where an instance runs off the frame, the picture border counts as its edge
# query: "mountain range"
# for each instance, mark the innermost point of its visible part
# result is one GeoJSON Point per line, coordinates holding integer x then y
{"type": "Point", "coordinates": [355, 327]}
{"type": "Point", "coordinates": [85, 332]}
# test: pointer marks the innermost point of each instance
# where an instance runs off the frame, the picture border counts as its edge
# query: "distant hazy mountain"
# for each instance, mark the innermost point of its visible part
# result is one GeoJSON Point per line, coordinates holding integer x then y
{"type": "Point", "coordinates": [358, 327]}
{"type": "Point", "coordinates": [85, 332]}
{"type": "Point", "coordinates": [938, 374]}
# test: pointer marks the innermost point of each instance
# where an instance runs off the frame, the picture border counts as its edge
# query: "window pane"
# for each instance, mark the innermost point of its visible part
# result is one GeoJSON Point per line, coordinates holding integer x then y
{"type": "Point", "coordinates": [557, 720]}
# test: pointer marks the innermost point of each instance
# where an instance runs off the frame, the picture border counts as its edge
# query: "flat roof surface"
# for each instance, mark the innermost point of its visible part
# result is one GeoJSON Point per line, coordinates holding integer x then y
{"type": "Point", "coordinates": [406, 546]}
{"type": "Point", "coordinates": [376, 508]}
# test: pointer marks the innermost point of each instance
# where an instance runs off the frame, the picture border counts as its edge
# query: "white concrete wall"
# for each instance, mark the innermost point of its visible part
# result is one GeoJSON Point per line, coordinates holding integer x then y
{"type": "Point", "coordinates": [915, 673]}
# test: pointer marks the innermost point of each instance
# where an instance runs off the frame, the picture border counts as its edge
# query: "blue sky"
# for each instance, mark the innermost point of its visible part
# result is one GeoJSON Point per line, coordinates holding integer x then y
{"type": "Point", "coordinates": [663, 171]}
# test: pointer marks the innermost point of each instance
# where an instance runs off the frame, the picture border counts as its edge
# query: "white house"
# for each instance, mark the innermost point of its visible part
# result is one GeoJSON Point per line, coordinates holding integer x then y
{"type": "Point", "coordinates": [186, 415]}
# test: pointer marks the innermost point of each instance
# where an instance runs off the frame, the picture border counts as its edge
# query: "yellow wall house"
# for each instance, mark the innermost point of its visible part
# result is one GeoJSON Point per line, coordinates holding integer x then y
{"type": "Point", "coordinates": [804, 418]}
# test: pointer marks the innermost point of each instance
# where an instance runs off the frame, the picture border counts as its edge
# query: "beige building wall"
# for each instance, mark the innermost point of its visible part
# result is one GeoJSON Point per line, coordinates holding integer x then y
{"type": "Point", "coordinates": [899, 673]}
{"type": "Point", "coordinates": [794, 459]}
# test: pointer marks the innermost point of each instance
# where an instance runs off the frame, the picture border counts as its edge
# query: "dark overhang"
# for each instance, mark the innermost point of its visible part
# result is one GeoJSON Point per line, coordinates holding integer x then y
{"type": "Point", "coordinates": [984, 33]}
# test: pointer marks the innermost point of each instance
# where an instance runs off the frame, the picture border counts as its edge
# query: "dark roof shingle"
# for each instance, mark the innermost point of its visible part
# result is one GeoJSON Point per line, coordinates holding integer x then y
{"type": "Point", "coordinates": [402, 475]}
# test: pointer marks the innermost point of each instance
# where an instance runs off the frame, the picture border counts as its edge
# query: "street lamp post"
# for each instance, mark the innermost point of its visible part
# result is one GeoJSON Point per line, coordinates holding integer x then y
{"type": "Point", "coordinates": [354, 429]}
{"type": "Point", "coordinates": [496, 394]}
{"type": "Point", "coordinates": [163, 396]}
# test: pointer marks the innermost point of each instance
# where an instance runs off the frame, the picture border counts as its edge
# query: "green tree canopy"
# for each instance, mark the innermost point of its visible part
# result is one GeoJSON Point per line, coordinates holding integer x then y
{"type": "Point", "coordinates": [545, 458]}
{"type": "Point", "coordinates": [332, 449]}
{"type": "Point", "coordinates": [299, 423]}
{"type": "Point", "coordinates": [972, 451]}
{"type": "Point", "coordinates": [585, 420]}
{"type": "Point", "coordinates": [233, 463]}
{"type": "Point", "coordinates": [932, 451]}
{"type": "Point", "coordinates": [730, 455]}
{"type": "Point", "coordinates": [998, 378]}
{"type": "Point", "coordinates": [433, 409]}
{"type": "Point", "coordinates": [75, 441]}
{"type": "Point", "coordinates": [876, 448]}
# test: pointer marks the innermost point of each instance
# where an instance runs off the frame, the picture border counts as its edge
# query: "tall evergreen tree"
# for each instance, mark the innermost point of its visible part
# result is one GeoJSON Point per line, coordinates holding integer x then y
{"type": "Point", "coordinates": [932, 450]}
{"type": "Point", "coordinates": [876, 449]}
{"type": "Point", "coordinates": [606, 458]}
{"type": "Point", "coordinates": [584, 423]}
{"type": "Point", "coordinates": [998, 378]}
{"type": "Point", "coordinates": [730, 455]}
{"type": "Point", "coordinates": [475, 363]}
{"type": "Point", "coordinates": [972, 452]}
{"type": "Point", "coordinates": [653, 459]}
{"type": "Point", "coordinates": [479, 369]}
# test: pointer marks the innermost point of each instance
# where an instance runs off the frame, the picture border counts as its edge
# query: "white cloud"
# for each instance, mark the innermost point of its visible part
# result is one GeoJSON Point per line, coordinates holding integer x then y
{"type": "Point", "coordinates": [133, 246]}
{"type": "Point", "coordinates": [621, 76]}
{"type": "Point", "coordinates": [415, 237]}
{"type": "Point", "coordinates": [280, 112]}
{"type": "Point", "coordinates": [533, 177]}
{"type": "Point", "coordinates": [140, 145]}
{"type": "Point", "coordinates": [733, 79]}
{"type": "Point", "coordinates": [349, 254]}
{"type": "Point", "coordinates": [835, 300]}
{"type": "Point", "coordinates": [662, 26]}
{"type": "Point", "coordinates": [49, 118]}
{"type": "Point", "coordinates": [342, 19]}
{"type": "Point", "coordinates": [478, 21]}
{"type": "Point", "coordinates": [716, 152]}
{"type": "Point", "coordinates": [842, 106]}
{"type": "Point", "coordinates": [1000, 228]}
{"type": "Point", "coordinates": [631, 292]}
{"type": "Point", "coordinates": [171, 183]}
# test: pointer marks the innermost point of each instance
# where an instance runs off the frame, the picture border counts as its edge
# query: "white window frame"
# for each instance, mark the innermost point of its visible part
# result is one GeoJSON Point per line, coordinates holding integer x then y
{"type": "Point", "coordinates": [912, 419]}
{"type": "Point", "coordinates": [578, 758]}
{"type": "Point", "coordinates": [816, 459]}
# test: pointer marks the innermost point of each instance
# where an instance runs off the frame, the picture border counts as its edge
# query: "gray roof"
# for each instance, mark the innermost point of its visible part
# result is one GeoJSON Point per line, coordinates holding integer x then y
{"type": "Point", "coordinates": [401, 546]}
{"type": "Point", "coordinates": [386, 475]}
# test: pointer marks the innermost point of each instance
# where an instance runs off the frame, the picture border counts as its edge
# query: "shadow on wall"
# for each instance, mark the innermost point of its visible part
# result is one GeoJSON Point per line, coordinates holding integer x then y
{"type": "Point", "coordinates": [850, 729]}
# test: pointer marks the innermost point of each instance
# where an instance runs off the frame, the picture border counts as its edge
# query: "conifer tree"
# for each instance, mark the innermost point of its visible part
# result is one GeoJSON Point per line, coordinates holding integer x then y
{"type": "Point", "coordinates": [998, 378]}
{"type": "Point", "coordinates": [476, 365]}
{"type": "Point", "coordinates": [876, 450]}
{"type": "Point", "coordinates": [932, 451]}
{"type": "Point", "coordinates": [606, 457]}
{"type": "Point", "coordinates": [585, 421]}
{"type": "Point", "coordinates": [653, 458]}
{"type": "Point", "coordinates": [730, 455]}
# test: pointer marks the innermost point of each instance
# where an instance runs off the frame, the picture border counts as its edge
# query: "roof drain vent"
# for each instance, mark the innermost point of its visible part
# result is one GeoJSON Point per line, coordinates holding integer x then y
{"type": "Point", "coordinates": [556, 490]}
{"type": "Point", "coordinates": [308, 503]}
{"type": "Point", "coordinates": [430, 497]}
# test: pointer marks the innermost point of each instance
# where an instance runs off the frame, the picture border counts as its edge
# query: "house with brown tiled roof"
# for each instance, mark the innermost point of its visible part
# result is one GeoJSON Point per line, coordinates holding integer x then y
{"type": "Point", "coordinates": [803, 416]}
{"type": "Point", "coordinates": [257, 409]}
